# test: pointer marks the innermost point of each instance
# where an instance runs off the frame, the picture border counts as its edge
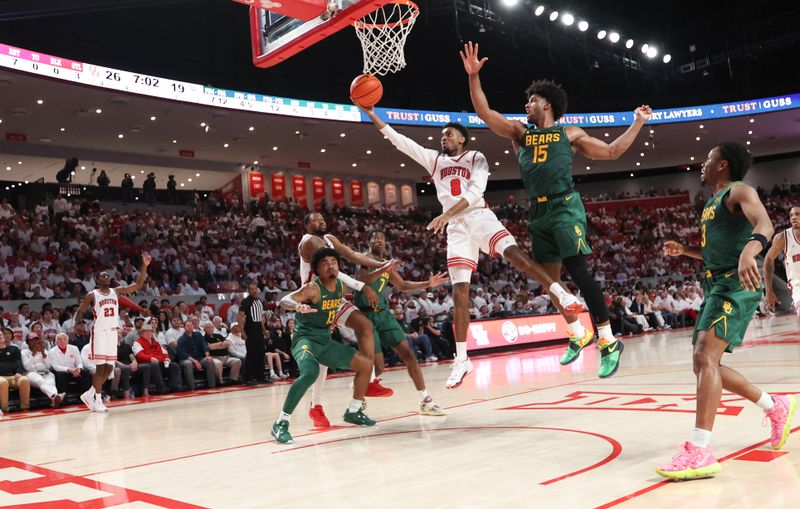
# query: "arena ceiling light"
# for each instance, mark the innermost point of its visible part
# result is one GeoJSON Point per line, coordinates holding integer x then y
{"type": "Point", "coordinates": [613, 37]}
{"type": "Point", "coordinates": [629, 43]}
{"type": "Point", "coordinates": [553, 15]}
{"type": "Point", "coordinates": [652, 52]}
{"type": "Point", "coordinates": [667, 58]}
{"type": "Point", "coordinates": [601, 34]}
{"type": "Point", "coordinates": [539, 10]}
{"type": "Point", "coordinates": [645, 47]}
{"type": "Point", "coordinates": [568, 19]}
{"type": "Point", "coordinates": [510, 3]}
{"type": "Point", "coordinates": [583, 26]}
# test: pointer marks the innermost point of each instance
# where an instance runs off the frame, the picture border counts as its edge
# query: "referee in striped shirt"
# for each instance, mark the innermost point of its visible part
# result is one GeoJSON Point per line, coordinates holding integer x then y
{"type": "Point", "coordinates": [251, 311]}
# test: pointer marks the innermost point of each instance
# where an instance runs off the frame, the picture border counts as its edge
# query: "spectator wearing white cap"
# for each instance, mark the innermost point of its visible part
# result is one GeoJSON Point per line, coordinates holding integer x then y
{"type": "Point", "coordinates": [238, 347]}
{"type": "Point", "coordinates": [426, 303]}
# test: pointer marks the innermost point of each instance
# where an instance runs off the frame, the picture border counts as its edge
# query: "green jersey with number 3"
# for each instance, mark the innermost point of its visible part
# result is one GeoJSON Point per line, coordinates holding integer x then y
{"type": "Point", "coordinates": [326, 309]}
{"type": "Point", "coordinates": [545, 160]}
{"type": "Point", "coordinates": [723, 234]}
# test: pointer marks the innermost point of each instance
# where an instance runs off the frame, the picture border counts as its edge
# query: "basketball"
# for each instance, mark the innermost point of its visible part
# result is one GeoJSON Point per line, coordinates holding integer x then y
{"type": "Point", "coordinates": [366, 90]}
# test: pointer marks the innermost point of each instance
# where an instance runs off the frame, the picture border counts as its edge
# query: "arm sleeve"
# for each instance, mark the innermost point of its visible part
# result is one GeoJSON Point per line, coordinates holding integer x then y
{"type": "Point", "coordinates": [424, 156]}
{"type": "Point", "coordinates": [350, 282]}
{"type": "Point", "coordinates": [477, 182]}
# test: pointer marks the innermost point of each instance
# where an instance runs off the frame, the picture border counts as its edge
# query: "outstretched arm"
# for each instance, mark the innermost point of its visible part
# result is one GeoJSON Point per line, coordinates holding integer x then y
{"type": "Point", "coordinates": [778, 245]}
{"type": "Point", "coordinates": [413, 286]}
{"type": "Point", "coordinates": [135, 287]}
{"type": "Point", "coordinates": [595, 148]}
{"type": "Point", "coordinates": [349, 254]}
{"type": "Point", "coordinates": [425, 157]}
{"type": "Point", "coordinates": [300, 299]}
{"type": "Point", "coordinates": [672, 248]}
{"type": "Point", "coordinates": [496, 122]}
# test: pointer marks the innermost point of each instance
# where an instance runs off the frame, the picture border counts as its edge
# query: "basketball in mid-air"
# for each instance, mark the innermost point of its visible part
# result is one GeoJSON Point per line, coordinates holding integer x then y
{"type": "Point", "coordinates": [366, 90]}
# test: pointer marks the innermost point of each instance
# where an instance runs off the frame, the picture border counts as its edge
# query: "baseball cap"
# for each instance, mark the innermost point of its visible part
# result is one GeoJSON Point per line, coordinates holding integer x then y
{"type": "Point", "coordinates": [234, 324]}
{"type": "Point", "coordinates": [146, 327]}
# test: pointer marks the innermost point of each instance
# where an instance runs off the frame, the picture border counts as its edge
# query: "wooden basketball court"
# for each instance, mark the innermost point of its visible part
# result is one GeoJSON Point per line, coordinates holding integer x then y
{"type": "Point", "coordinates": [522, 431]}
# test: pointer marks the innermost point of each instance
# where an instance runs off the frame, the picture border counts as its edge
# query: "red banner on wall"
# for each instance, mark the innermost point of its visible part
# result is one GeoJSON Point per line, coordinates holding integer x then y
{"type": "Point", "coordinates": [299, 189]}
{"type": "Point", "coordinates": [278, 186]}
{"type": "Point", "coordinates": [356, 193]}
{"type": "Point", "coordinates": [257, 187]}
{"type": "Point", "coordinates": [337, 192]}
{"type": "Point", "coordinates": [317, 190]}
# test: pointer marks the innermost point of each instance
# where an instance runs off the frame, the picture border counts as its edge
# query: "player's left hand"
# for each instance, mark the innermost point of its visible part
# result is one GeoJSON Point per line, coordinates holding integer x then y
{"type": "Point", "coordinates": [749, 276]}
{"type": "Point", "coordinates": [438, 279]}
{"type": "Point", "coordinates": [439, 223]}
{"type": "Point", "coordinates": [146, 259]}
{"type": "Point", "coordinates": [643, 112]}
{"type": "Point", "coordinates": [304, 308]}
{"type": "Point", "coordinates": [371, 296]}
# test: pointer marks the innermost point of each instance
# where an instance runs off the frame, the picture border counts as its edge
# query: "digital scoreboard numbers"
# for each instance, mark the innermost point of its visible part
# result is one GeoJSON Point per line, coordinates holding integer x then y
{"type": "Point", "coordinates": [49, 66]}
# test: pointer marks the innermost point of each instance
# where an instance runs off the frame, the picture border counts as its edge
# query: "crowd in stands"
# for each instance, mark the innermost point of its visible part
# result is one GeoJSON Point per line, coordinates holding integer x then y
{"type": "Point", "coordinates": [55, 250]}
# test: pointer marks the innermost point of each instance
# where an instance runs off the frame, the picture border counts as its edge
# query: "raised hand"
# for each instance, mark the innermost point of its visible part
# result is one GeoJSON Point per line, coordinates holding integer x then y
{"type": "Point", "coordinates": [643, 113]}
{"type": "Point", "coordinates": [672, 248]}
{"type": "Point", "coordinates": [472, 63]}
{"type": "Point", "coordinates": [438, 279]}
{"type": "Point", "coordinates": [146, 259]}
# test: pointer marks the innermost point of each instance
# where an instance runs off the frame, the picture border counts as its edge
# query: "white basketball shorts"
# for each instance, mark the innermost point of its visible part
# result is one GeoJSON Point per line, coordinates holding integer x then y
{"type": "Point", "coordinates": [103, 346]}
{"type": "Point", "coordinates": [468, 235]}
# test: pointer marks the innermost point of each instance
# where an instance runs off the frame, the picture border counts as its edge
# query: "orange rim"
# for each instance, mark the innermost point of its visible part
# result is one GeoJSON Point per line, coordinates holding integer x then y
{"type": "Point", "coordinates": [411, 5]}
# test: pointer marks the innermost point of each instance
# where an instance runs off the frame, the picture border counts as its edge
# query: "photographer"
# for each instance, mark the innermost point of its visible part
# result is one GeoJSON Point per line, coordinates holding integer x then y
{"type": "Point", "coordinates": [149, 189]}
{"type": "Point", "coordinates": [172, 190]}
{"type": "Point", "coordinates": [127, 188]}
{"type": "Point", "coordinates": [102, 179]}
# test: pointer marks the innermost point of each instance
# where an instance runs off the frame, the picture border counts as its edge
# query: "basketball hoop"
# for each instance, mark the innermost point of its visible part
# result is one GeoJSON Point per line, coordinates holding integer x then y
{"type": "Point", "coordinates": [383, 34]}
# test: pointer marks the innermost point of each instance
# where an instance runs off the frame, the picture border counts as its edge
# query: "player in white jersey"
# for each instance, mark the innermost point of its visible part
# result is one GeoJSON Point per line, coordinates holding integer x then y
{"type": "Point", "coordinates": [460, 178]}
{"type": "Point", "coordinates": [103, 340]}
{"type": "Point", "coordinates": [787, 243]}
{"type": "Point", "coordinates": [349, 316]}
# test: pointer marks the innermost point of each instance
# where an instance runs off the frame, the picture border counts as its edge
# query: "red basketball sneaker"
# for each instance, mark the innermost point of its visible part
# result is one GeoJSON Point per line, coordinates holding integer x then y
{"type": "Point", "coordinates": [376, 390]}
{"type": "Point", "coordinates": [318, 417]}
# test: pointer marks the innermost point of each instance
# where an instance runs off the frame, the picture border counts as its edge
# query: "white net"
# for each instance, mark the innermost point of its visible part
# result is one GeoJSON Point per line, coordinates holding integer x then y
{"type": "Point", "coordinates": [383, 34]}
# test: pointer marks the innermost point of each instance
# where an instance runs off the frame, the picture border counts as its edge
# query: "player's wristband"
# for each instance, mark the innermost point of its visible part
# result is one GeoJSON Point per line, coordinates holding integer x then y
{"type": "Point", "coordinates": [759, 238]}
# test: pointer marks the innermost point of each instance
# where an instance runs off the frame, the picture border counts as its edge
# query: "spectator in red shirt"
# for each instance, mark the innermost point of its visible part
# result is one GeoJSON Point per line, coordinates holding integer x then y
{"type": "Point", "coordinates": [148, 351]}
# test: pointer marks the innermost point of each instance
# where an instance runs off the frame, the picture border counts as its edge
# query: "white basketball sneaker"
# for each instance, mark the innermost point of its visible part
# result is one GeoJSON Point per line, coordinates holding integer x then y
{"type": "Point", "coordinates": [461, 368]}
{"type": "Point", "coordinates": [88, 399]}
{"type": "Point", "coordinates": [99, 406]}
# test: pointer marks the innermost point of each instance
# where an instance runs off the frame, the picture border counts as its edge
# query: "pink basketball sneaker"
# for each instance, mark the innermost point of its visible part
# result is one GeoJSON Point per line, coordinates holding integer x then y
{"type": "Point", "coordinates": [780, 418]}
{"type": "Point", "coordinates": [692, 462]}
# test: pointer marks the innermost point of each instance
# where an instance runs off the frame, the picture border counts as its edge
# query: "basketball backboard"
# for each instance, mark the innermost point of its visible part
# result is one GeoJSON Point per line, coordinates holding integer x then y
{"type": "Point", "coordinates": [276, 37]}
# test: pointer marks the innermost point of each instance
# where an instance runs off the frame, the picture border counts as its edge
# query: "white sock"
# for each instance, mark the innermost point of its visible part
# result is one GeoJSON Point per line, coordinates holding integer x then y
{"type": "Point", "coordinates": [372, 375]}
{"type": "Point", "coordinates": [765, 402]}
{"type": "Point", "coordinates": [316, 389]}
{"type": "Point", "coordinates": [577, 329]}
{"type": "Point", "coordinates": [605, 333]}
{"type": "Point", "coordinates": [461, 350]}
{"type": "Point", "coordinates": [701, 437]}
{"type": "Point", "coordinates": [91, 391]}
{"type": "Point", "coordinates": [558, 291]}
{"type": "Point", "coordinates": [423, 394]}
{"type": "Point", "coordinates": [355, 405]}
{"type": "Point", "coordinates": [284, 417]}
